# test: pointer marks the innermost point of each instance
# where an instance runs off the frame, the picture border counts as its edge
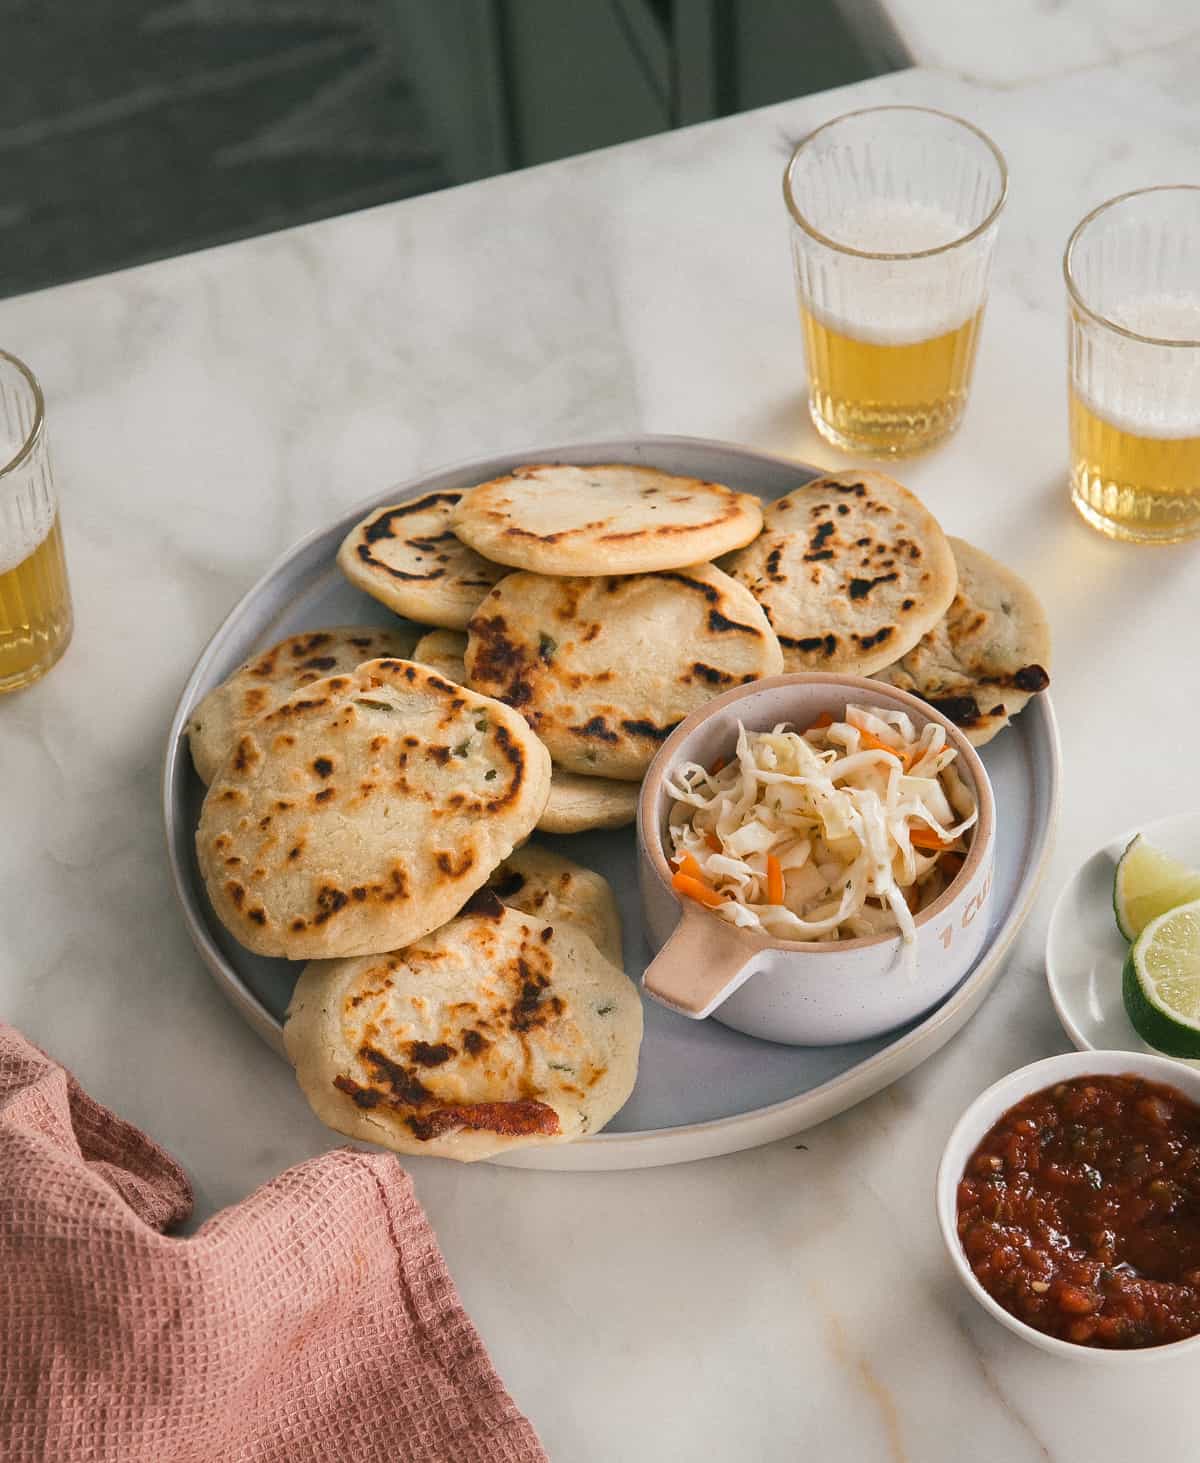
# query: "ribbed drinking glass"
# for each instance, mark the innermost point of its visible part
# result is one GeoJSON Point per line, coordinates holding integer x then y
{"type": "Point", "coordinates": [894, 214]}
{"type": "Point", "coordinates": [35, 600]}
{"type": "Point", "coordinates": [1133, 298]}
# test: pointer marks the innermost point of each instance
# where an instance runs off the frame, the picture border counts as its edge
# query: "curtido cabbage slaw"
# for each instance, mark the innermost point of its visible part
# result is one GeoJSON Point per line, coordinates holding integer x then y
{"type": "Point", "coordinates": [844, 830]}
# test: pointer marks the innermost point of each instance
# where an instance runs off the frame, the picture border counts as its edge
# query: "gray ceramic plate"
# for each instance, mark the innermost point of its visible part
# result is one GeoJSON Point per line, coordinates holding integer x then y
{"type": "Point", "coordinates": [702, 1089]}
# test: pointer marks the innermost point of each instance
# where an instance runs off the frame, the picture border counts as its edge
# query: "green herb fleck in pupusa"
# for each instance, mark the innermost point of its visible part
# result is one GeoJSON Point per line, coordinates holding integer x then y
{"type": "Point", "coordinates": [376, 705]}
{"type": "Point", "coordinates": [547, 645]}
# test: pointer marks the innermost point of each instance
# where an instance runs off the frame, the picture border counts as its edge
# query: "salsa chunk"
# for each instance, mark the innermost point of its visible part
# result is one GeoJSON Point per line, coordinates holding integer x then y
{"type": "Point", "coordinates": [1079, 1212]}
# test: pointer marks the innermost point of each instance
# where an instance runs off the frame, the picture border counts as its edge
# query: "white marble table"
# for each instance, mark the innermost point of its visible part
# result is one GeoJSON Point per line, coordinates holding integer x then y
{"type": "Point", "coordinates": [1010, 42]}
{"type": "Point", "coordinates": [205, 412]}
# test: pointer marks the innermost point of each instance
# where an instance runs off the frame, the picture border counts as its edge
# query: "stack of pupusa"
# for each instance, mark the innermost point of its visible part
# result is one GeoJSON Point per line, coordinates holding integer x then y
{"type": "Point", "coordinates": [582, 597]}
{"type": "Point", "coordinates": [360, 800]}
{"type": "Point", "coordinates": [352, 820]}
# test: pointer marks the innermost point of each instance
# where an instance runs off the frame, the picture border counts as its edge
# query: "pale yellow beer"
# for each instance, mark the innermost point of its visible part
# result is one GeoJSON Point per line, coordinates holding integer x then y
{"type": "Point", "coordinates": [35, 612]}
{"type": "Point", "coordinates": [35, 601]}
{"type": "Point", "coordinates": [1130, 485]}
{"type": "Point", "coordinates": [886, 396]}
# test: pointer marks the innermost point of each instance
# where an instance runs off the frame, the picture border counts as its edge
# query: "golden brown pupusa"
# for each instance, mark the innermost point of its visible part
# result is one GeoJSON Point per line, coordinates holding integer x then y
{"type": "Point", "coordinates": [613, 518]}
{"type": "Point", "coordinates": [986, 656]}
{"type": "Point", "coordinates": [407, 556]}
{"type": "Point", "coordinates": [605, 667]}
{"type": "Point", "coordinates": [271, 676]}
{"type": "Point", "coordinates": [851, 570]}
{"type": "Point", "coordinates": [544, 884]}
{"type": "Point", "coordinates": [364, 810]}
{"type": "Point", "coordinates": [493, 1032]}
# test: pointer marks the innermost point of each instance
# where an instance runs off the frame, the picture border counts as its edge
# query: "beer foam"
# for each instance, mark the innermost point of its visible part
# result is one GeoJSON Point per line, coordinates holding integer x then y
{"type": "Point", "coordinates": [26, 511]}
{"type": "Point", "coordinates": [869, 321]}
{"type": "Point", "coordinates": [880, 226]}
{"type": "Point", "coordinates": [1146, 390]}
{"type": "Point", "coordinates": [1154, 419]}
{"type": "Point", "coordinates": [899, 302]}
{"type": "Point", "coordinates": [1162, 317]}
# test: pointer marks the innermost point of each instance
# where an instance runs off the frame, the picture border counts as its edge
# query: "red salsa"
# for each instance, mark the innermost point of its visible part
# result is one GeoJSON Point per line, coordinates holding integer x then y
{"type": "Point", "coordinates": [1079, 1212]}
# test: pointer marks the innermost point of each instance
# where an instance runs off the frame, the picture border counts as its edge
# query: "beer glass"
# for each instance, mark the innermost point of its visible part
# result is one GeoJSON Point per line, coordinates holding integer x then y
{"type": "Point", "coordinates": [894, 213]}
{"type": "Point", "coordinates": [1133, 297]}
{"type": "Point", "coordinates": [35, 602]}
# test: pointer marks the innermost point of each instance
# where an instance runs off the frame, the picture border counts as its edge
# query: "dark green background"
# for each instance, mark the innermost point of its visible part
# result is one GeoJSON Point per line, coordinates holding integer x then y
{"type": "Point", "coordinates": [134, 129]}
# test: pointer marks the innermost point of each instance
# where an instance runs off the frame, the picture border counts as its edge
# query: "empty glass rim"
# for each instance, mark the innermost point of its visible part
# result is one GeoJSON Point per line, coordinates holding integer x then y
{"type": "Point", "coordinates": [1072, 287]}
{"type": "Point", "coordinates": [811, 229]}
{"type": "Point", "coordinates": [39, 412]}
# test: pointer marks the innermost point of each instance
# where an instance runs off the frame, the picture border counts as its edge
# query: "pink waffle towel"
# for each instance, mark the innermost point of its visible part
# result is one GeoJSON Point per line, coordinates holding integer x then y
{"type": "Point", "coordinates": [315, 1320]}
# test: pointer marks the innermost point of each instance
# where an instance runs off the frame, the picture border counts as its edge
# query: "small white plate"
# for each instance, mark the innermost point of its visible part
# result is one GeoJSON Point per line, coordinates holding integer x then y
{"type": "Point", "coordinates": [1085, 951]}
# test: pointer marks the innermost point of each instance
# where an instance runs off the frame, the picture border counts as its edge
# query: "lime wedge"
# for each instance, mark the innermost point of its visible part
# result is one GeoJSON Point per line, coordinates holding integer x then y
{"type": "Point", "coordinates": [1161, 982]}
{"type": "Point", "coordinates": [1148, 883]}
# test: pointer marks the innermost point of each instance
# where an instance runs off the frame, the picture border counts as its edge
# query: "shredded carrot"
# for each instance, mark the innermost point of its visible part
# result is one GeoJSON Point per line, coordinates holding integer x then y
{"type": "Point", "coordinates": [688, 866]}
{"type": "Point", "coordinates": [874, 743]}
{"type": "Point", "coordinates": [697, 890]}
{"type": "Point", "coordinates": [713, 842]}
{"type": "Point", "coordinates": [774, 879]}
{"type": "Point", "coordinates": [952, 864]}
{"type": "Point", "coordinates": [920, 835]}
{"type": "Point", "coordinates": [716, 767]}
{"type": "Point", "coordinates": [822, 722]}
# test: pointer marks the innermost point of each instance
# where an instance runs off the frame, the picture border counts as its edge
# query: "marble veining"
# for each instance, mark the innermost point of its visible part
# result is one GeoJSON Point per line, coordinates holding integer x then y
{"type": "Point", "coordinates": [205, 412]}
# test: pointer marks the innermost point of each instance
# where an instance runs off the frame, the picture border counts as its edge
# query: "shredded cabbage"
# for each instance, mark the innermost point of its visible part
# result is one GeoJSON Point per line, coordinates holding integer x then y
{"type": "Point", "coordinates": [827, 816]}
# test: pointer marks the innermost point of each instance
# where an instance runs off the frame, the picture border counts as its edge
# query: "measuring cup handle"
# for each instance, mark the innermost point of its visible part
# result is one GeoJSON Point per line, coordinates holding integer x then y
{"type": "Point", "coordinates": [701, 965]}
